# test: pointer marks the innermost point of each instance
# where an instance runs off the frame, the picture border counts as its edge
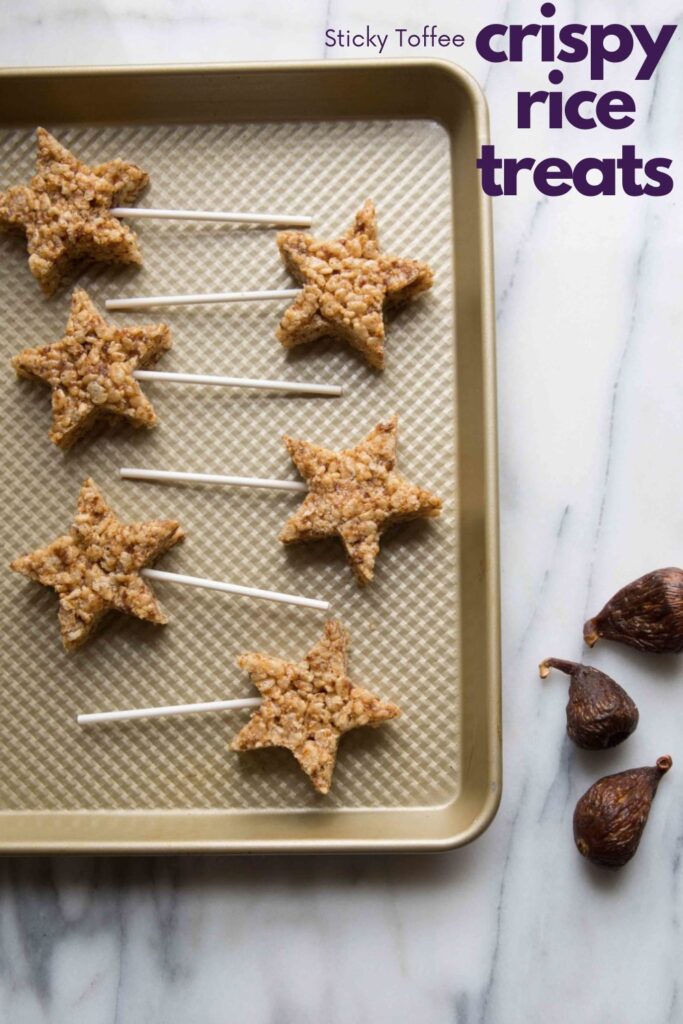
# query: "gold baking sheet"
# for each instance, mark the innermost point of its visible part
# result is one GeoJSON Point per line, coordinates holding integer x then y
{"type": "Point", "coordinates": [406, 628]}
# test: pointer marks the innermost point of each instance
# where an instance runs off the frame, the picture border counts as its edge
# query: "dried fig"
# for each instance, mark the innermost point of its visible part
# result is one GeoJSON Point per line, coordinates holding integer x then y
{"type": "Point", "coordinates": [600, 713]}
{"type": "Point", "coordinates": [610, 817]}
{"type": "Point", "coordinates": [647, 614]}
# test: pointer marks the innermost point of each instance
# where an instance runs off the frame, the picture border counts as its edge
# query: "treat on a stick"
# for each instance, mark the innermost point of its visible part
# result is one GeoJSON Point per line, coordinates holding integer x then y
{"type": "Point", "coordinates": [309, 705]}
{"type": "Point", "coordinates": [102, 565]}
{"type": "Point", "coordinates": [96, 567]}
{"type": "Point", "coordinates": [347, 283]}
{"type": "Point", "coordinates": [65, 212]}
{"type": "Point", "coordinates": [305, 706]}
{"type": "Point", "coordinates": [355, 494]}
{"type": "Point", "coordinates": [95, 368]}
{"type": "Point", "coordinates": [91, 371]}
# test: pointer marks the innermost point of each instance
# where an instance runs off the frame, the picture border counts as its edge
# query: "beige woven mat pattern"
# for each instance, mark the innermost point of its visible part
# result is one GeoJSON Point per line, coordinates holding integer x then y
{"type": "Point", "coordinates": [404, 627]}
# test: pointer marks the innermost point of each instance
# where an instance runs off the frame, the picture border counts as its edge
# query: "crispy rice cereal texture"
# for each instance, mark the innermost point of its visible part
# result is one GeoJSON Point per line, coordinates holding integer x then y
{"type": "Point", "coordinates": [64, 212]}
{"type": "Point", "coordinates": [308, 706]}
{"type": "Point", "coordinates": [95, 568]}
{"type": "Point", "coordinates": [355, 494]}
{"type": "Point", "coordinates": [347, 284]}
{"type": "Point", "coordinates": [90, 371]}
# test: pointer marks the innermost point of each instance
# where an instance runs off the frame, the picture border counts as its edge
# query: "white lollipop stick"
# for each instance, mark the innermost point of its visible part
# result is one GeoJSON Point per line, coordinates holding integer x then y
{"type": "Point", "coordinates": [129, 473]}
{"type": "Point", "coordinates": [233, 588]}
{"type": "Point", "coordinates": [171, 709]}
{"type": "Point", "coordinates": [144, 302]}
{"type": "Point", "coordinates": [225, 217]}
{"type": "Point", "coordinates": [294, 387]}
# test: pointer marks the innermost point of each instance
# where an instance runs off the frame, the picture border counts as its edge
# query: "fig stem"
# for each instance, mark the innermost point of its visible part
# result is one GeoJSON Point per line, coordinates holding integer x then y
{"type": "Point", "coordinates": [559, 663]}
{"type": "Point", "coordinates": [590, 633]}
{"type": "Point", "coordinates": [664, 763]}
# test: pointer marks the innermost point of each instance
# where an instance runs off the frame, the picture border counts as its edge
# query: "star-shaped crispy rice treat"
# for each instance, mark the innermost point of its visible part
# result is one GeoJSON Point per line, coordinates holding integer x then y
{"type": "Point", "coordinates": [95, 568]}
{"type": "Point", "coordinates": [309, 705]}
{"type": "Point", "coordinates": [355, 494]}
{"type": "Point", "coordinates": [347, 285]}
{"type": "Point", "coordinates": [64, 212]}
{"type": "Point", "coordinates": [90, 371]}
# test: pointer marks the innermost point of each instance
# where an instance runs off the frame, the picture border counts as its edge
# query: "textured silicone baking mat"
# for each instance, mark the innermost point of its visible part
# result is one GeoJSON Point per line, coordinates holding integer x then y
{"type": "Point", "coordinates": [404, 629]}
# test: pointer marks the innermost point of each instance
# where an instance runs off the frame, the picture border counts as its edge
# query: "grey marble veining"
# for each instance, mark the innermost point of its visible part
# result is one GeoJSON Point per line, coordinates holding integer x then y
{"type": "Point", "coordinates": [515, 928]}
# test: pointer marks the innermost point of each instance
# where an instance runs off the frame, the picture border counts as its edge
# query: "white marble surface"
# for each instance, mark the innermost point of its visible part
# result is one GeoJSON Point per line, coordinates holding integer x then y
{"type": "Point", "coordinates": [515, 928]}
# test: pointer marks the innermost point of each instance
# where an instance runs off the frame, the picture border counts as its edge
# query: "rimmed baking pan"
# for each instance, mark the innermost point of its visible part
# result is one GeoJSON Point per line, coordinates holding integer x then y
{"type": "Point", "coordinates": [317, 138]}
